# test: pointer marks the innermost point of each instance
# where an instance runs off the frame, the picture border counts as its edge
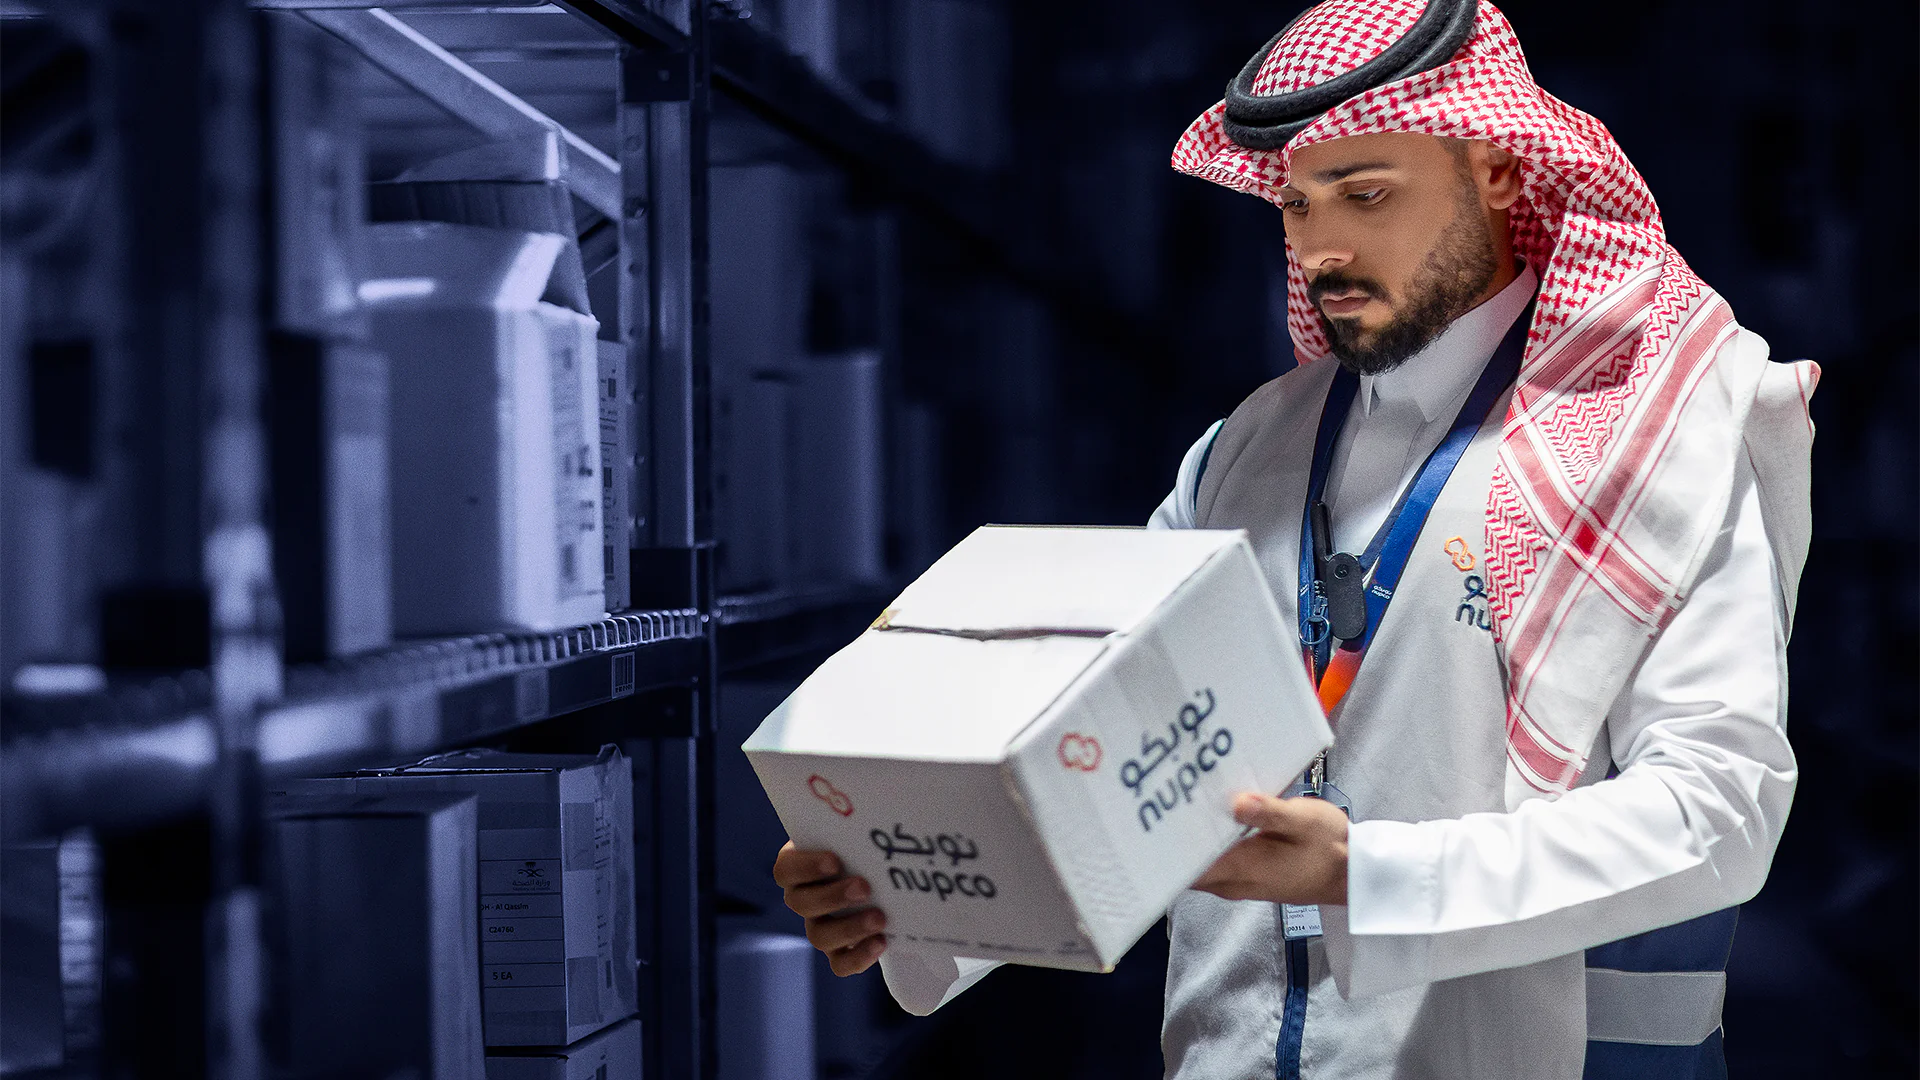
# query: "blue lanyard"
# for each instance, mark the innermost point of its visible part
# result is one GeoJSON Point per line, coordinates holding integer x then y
{"type": "Point", "coordinates": [1377, 571]}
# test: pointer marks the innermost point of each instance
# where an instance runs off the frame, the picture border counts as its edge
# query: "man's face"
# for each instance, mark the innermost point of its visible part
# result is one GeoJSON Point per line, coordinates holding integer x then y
{"type": "Point", "coordinates": [1393, 236]}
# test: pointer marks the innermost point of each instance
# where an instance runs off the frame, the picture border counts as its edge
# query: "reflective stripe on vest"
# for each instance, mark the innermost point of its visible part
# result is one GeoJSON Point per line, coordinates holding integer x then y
{"type": "Point", "coordinates": [1654, 1002]}
{"type": "Point", "coordinates": [1663, 1008]}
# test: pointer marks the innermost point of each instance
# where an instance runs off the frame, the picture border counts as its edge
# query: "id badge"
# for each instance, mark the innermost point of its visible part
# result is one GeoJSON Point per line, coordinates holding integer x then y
{"type": "Point", "coordinates": [1303, 920]}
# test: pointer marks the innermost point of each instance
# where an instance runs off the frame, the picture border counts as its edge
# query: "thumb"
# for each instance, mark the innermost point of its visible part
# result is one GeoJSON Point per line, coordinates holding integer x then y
{"type": "Point", "coordinates": [1267, 813]}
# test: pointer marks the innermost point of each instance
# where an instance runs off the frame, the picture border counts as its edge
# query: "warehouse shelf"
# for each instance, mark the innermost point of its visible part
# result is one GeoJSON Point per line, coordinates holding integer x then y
{"type": "Point", "coordinates": [764, 628]}
{"type": "Point", "coordinates": [146, 752]}
{"type": "Point", "coordinates": [755, 69]}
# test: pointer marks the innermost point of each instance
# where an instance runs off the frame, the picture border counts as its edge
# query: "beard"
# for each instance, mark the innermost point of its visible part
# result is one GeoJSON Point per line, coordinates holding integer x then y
{"type": "Point", "coordinates": [1447, 285]}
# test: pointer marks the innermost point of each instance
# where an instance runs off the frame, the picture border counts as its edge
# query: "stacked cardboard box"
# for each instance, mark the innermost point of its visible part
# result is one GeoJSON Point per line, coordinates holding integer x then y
{"type": "Point", "coordinates": [613, 1054]}
{"type": "Point", "coordinates": [327, 449]}
{"type": "Point", "coordinates": [555, 888]}
{"type": "Point", "coordinates": [376, 918]}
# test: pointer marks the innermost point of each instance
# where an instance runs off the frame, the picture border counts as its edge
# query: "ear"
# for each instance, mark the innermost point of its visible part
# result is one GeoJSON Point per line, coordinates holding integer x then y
{"type": "Point", "coordinates": [1496, 173]}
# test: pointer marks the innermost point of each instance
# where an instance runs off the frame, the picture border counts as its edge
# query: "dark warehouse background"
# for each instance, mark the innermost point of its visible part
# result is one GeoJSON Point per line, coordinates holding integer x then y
{"type": "Point", "coordinates": [949, 279]}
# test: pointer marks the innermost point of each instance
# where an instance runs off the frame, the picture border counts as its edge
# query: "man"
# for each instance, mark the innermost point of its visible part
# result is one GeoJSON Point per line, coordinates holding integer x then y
{"type": "Point", "coordinates": [1555, 499]}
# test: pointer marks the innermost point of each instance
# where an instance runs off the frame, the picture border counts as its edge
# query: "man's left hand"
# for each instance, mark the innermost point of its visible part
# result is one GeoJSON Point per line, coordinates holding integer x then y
{"type": "Point", "coordinates": [1299, 856]}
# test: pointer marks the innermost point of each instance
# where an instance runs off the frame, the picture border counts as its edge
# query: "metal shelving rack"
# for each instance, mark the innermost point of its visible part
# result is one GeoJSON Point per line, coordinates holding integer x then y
{"type": "Point", "coordinates": [169, 767]}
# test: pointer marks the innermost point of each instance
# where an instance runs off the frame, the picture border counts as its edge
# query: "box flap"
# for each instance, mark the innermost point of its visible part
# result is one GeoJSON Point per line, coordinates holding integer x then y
{"type": "Point", "coordinates": [1016, 581]}
{"type": "Point", "coordinates": [925, 697]}
{"type": "Point", "coordinates": [330, 804]}
{"type": "Point", "coordinates": [434, 264]}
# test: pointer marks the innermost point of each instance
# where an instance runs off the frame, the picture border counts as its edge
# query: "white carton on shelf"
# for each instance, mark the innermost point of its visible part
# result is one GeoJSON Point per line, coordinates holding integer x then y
{"type": "Point", "coordinates": [1037, 746]}
{"type": "Point", "coordinates": [494, 423]}
{"type": "Point", "coordinates": [557, 933]}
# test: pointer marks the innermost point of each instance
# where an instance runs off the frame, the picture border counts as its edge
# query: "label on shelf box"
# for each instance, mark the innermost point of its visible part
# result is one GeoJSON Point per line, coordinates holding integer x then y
{"type": "Point", "coordinates": [573, 355]}
{"type": "Point", "coordinates": [515, 876]}
{"type": "Point", "coordinates": [493, 974]}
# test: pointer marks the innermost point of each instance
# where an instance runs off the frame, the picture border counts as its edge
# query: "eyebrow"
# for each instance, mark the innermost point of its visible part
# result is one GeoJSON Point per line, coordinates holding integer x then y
{"type": "Point", "coordinates": [1328, 176]}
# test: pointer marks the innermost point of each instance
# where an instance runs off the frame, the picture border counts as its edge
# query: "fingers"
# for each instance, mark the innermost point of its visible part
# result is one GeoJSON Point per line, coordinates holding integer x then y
{"type": "Point", "coordinates": [815, 901]}
{"type": "Point", "coordinates": [857, 958]}
{"type": "Point", "coordinates": [793, 867]}
{"type": "Point", "coordinates": [817, 893]}
{"type": "Point", "coordinates": [835, 933]}
{"type": "Point", "coordinates": [1265, 812]}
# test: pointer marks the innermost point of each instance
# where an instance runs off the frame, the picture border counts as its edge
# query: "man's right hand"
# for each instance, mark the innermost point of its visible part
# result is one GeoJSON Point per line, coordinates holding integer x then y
{"type": "Point", "coordinates": [818, 893]}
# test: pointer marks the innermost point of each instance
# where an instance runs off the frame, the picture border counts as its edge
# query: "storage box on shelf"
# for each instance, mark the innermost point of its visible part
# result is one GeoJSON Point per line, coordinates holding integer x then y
{"type": "Point", "coordinates": [326, 426]}
{"type": "Point", "coordinates": [375, 924]}
{"type": "Point", "coordinates": [494, 437]}
{"type": "Point", "coordinates": [556, 883]}
{"type": "Point", "coordinates": [613, 1054]}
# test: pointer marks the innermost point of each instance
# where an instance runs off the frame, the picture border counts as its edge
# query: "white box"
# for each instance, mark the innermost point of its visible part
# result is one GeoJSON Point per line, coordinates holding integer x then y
{"type": "Point", "coordinates": [557, 933]}
{"type": "Point", "coordinates": [978, 754]}
{"type": "Point", "coordinates": [494, 423]}
{"type": "Point", "coordinates": [377, 927]}
{"type": "Point", "coordinates": [614, 1054]}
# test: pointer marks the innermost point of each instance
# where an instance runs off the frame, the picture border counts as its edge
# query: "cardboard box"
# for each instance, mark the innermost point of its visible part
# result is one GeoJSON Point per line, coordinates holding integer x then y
{"type": "Point", "coordinates": [494, 434]}
{"type": "Point", "coordinates": [557, 937]}
{"type": "Point", "coordinates": [327, 449]}
{"type": "Point", "coordinates": [377, 928]}
{"type": "Point", "coordinates": [1036, 747]}
{"type": "Point", "coordinates": [614, 1054]}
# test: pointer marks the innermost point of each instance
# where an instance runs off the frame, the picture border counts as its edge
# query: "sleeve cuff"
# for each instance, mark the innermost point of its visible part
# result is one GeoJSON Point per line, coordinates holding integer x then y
{"type": "Point", "coordinates": [1393, 878]}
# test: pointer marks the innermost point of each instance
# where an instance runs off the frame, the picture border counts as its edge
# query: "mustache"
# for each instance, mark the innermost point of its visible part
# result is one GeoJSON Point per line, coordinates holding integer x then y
{"type": "Point", "coordinates": [1337, 281]}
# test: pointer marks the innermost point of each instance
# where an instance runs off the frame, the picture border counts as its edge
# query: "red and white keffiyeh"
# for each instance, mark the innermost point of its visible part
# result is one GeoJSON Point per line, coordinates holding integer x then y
{"type": "Point", "coordinates": [1616, 463]}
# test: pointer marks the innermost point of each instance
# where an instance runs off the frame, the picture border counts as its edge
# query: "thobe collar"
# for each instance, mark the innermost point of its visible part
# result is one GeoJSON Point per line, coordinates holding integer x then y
{"type": "Point", "coordinates": [1437, 378]}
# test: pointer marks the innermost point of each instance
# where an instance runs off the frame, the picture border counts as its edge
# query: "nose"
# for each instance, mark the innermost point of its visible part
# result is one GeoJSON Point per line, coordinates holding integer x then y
{"type": "Point", "coordinates": [1317, 247]}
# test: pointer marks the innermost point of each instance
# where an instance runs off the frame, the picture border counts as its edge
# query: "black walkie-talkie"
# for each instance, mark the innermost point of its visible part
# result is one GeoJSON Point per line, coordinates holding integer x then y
{"type": "Point", "coordinates": [1342, 580]}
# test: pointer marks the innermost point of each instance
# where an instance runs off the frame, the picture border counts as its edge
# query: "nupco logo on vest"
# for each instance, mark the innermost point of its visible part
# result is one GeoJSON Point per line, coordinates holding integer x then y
{"type": "Point", "coordinates": [1471, 609]}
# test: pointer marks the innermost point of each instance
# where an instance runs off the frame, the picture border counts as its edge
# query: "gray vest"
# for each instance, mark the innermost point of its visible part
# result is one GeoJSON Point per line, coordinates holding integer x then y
{"type": "Point", "coordinates": [1434, 657]}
